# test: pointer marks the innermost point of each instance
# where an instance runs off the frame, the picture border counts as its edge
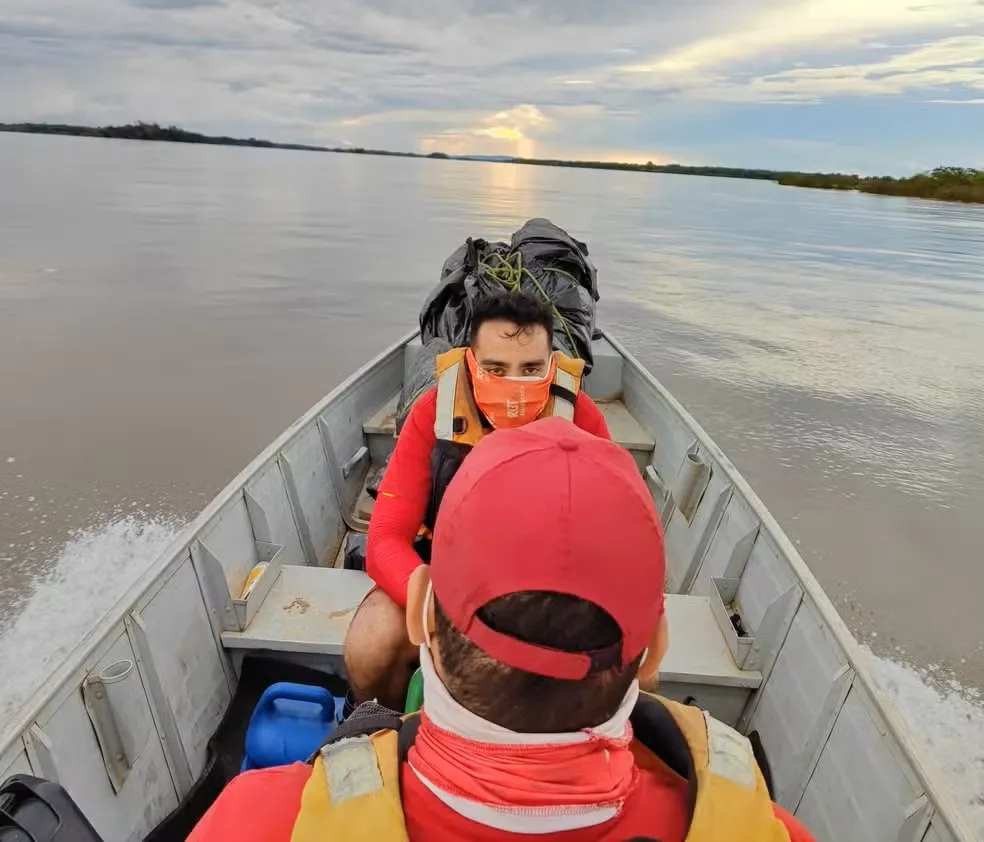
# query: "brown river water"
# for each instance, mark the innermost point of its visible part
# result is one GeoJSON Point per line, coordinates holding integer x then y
{"type": "Point", "coordinates": [166, 310]}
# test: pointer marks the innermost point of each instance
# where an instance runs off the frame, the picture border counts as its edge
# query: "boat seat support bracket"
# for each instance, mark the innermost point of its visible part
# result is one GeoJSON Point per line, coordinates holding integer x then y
{"type": "Point", "coordinates": [809, 756]}
{"type": "Point", "coordinates": [160, 708]}
{"type": "Point", "coordinates": [918, 817]}
{"type": "Point", "coordinates": [339, 475]}
{"type": "Point", "coordinates": [303, 527]}
{"type": "Point", "coordinates": [37, 746]}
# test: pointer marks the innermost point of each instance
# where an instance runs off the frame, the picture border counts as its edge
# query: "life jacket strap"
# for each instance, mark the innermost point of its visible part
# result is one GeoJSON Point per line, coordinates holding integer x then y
{"type": "Point", "coordinates": [564, 389]}
{"type": "Point", "coordinates": [563, 394]}
{"type": "Point", "coordinates": [361, 726]}
{"type": "Point", "coordinates": [407, 736]}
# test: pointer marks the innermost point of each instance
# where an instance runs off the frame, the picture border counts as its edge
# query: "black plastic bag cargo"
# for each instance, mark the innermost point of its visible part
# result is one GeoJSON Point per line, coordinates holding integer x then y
{"type": "Point", "coordinates": [541, 259]}
{"type": "Point", "coordinates": [36, 810]}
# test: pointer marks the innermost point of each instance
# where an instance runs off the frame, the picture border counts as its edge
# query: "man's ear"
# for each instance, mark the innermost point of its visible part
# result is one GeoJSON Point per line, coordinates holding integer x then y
{"type": "Point", "coordinates": [659, 643]}
{"type": "Point", "coordinates": [416, 594]}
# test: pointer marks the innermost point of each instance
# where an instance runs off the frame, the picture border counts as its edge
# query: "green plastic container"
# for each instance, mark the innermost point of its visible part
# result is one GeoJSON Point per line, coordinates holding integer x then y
{"type": "Point", "coordinates": [415, 693]}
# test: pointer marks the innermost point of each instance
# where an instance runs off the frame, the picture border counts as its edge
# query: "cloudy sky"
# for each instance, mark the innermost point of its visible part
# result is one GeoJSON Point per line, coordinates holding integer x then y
{"type": "Point", "coordinates": [861, 85]}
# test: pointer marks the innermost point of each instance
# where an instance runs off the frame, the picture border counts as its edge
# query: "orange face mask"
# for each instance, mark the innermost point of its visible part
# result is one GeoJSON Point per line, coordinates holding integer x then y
{"type": "Point", "coordinates": [509, 401]}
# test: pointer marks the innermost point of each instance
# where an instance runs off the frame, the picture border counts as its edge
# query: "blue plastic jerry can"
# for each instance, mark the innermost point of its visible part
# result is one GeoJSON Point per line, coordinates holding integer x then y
{"type": "Point", "coordinates": [290, 722]}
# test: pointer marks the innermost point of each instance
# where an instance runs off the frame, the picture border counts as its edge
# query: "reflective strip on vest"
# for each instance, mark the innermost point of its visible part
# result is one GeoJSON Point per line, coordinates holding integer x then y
{"type": "Point", "coordinates": [351, 769]}
{"type": "Point", "coordinates": [729, 754]}
{"type": "Point", "coordinates": [563, 408]}
{"type": "Point", "coordinates": [447, 386]}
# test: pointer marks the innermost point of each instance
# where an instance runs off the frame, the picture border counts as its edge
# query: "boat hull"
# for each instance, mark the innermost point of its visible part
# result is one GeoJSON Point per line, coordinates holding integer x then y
{"type": "Point", "coordinates": [841, 758]}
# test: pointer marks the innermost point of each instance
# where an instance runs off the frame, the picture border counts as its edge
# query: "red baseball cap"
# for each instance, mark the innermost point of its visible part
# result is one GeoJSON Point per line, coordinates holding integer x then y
{"type": "Point", "coordinates": [550, 507]}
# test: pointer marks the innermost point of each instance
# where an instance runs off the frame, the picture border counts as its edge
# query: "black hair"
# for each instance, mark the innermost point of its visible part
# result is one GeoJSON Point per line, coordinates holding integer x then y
{"type": "Point", "coordinates": [525, 310]}
{"type": "Point", "coordinates": [519, 700]}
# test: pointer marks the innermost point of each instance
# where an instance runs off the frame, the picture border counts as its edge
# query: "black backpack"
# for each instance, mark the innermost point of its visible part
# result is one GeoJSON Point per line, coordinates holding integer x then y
{"type": "Point", "coordinates": [35, 810]}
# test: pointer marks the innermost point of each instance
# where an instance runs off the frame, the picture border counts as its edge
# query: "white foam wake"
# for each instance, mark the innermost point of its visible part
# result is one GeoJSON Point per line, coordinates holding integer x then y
{"type": "Point", "coordinates": [90, 573]}
{"type": "Point", "coordinates": [948, 719]}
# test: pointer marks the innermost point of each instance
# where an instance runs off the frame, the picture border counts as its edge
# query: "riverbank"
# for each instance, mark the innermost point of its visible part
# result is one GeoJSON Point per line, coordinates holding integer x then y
{"type": "Point", "coordinates": [150, 131]}
{"type": "Point", "coordinates": [947, 184]}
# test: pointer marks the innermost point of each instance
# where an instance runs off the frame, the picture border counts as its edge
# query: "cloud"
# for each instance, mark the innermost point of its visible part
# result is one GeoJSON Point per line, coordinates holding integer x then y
{"type": "Point", "coordinates": [522, 118]}
{"type": "Point", "coordinates": [814, 25]}
{"type": "Point", "coordinates": [174, 4]}
{"type": "Point", "coordinates": [811, 52]}
{"type": "Point", "coordinates": [509, 132]}
{"type": "Point", "coordinates": [947, 64]}
{"type": "Point", "coordinates": [632, 77]}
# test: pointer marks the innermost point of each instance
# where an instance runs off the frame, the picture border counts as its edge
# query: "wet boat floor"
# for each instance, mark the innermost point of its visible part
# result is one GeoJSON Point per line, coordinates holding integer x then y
{"type": "Point", "coordinates": [227, 747]}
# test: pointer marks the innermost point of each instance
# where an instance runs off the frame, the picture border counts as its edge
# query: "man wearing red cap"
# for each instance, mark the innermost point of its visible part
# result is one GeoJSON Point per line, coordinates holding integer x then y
{"type": "Point", "coordinates": [508, 377]}
{"type": "Point", "coordinates": [534, 636]}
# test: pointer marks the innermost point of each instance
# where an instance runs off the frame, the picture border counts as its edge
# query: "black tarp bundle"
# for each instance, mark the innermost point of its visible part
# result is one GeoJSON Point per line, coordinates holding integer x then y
{"type": "Point", "coordinates": [540, 259]}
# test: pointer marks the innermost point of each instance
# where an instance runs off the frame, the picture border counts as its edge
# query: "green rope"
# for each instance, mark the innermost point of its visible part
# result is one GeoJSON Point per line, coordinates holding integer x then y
{"type": "Point", "coordinates": [509, 272]}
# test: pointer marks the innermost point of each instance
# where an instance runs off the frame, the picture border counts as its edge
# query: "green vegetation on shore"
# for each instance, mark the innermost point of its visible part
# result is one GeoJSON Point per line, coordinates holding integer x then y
{"type": "Point", "coordinates": [948, 184]}
{"type": "Point", "coordinates": [149, 131]}
{"type": "Point", "coordinates": [951, 184]}
{"type": "Point", "coordinates": [678, 169]}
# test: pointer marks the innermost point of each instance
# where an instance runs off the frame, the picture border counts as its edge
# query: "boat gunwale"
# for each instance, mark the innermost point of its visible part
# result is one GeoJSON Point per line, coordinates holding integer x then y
{"type": "Point", "coordinates": [944, 805]}
{"type": "Point", "coordinates": [176, 552]}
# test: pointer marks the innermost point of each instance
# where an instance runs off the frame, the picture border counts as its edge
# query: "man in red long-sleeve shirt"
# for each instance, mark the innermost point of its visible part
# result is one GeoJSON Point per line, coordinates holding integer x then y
{"type": "Point", "coordinates": [510, 375]}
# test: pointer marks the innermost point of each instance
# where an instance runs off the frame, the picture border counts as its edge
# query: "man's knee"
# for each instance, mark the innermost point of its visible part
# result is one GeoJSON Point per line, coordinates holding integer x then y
{"type": "Point", "coordinates": [377, 635]}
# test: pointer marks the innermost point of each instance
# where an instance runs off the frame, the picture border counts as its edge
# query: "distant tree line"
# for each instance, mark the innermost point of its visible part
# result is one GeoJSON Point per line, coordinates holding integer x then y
{"type": "Point", "coordinates": [948, 184]}
{"type": "Point", "coordinates": [951, 184]}
{"type": "Point", "coordinates": [150, 131]}
{"type": "Point", "coordinates": [679, 169]}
